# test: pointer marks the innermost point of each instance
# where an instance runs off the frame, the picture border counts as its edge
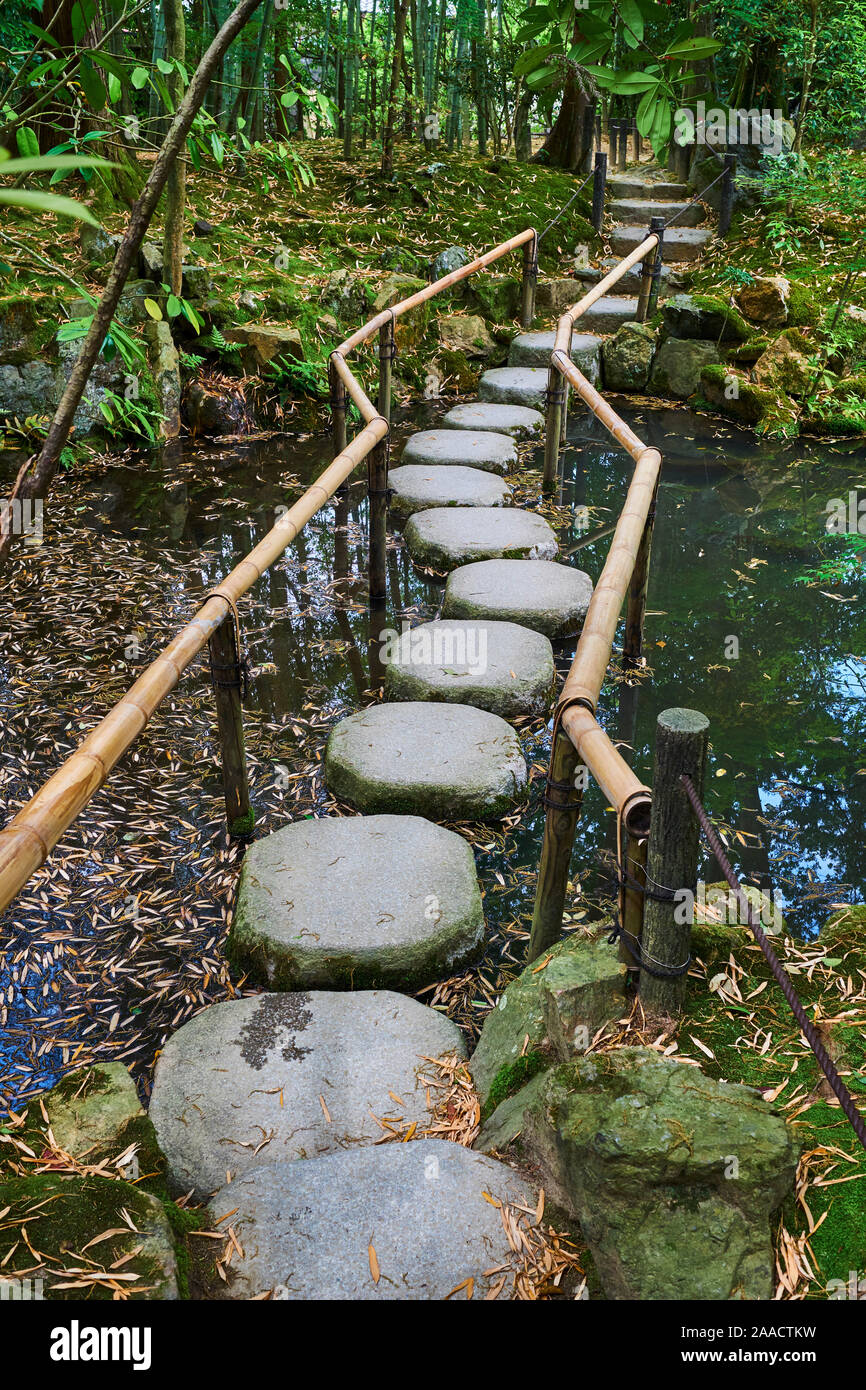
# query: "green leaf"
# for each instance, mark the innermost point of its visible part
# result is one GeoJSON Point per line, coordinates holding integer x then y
{"type": "Point", "coordinates": [47, 202]}
{"type": "Point", "coordinates": [139, 78]}
{"type": "Point", "coordinates": [92, 83]}
{"type": "Point", "coordinates": [153, 309]}
{"type": "Point", "coordinates": [28, 145]}
{"type": "Point", "coordinates": [75, 328]}
{"type": "Point", "coordinates": [115, 89]}
{"type": "Point", "coordinates": [173, 306]}
{"type": "Point", "coordinates": [693, 50]}
{"type": "Point", "coordinates": [46, 162]}
{"type": "Point", "coordinates": [164, 66]}
{"type": "Point", "coordinates": [189, 313]}
{"type": "Point", "coordinates": [632, 20]}
{"type": "Point", "coordinates": [217, 147]}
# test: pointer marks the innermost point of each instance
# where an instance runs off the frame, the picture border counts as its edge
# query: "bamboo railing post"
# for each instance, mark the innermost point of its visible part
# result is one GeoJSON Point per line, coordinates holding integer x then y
{"type": "Point", "coordinates": [377, 491]}
{"type": "Point", "coordinates": [553, 428]}
{"type": "Point", "coordinates": [726, 209]}
{"type": "Point", "coordinates": [564, 795]}
{"type": "Point", "coordinates": [339, 403]}
{"type": "Point", "coordinates": [587, 138]}
{"type": "Point", "coordinates": [227, 677]}
{"type": "Point", "coordinates": [650, 273]}
{"type": "Point", "coordinates": [598, 186]}
{"type": "Point", "coordinates": [530, 278]}
{"type": "Point", "coordinates": [672, 858]}
{"type": "Point", "coordinates": [635, 850]}
{"type": "Point", "coordinates": [386, 362]}
{"type": "Point", "coordinates": [637, 591]}
{"type": "Point", "coordinates": [657, 227]}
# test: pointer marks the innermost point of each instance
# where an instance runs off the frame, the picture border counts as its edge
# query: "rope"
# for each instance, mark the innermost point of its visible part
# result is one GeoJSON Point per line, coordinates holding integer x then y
{"type": "Point", "coordinates": [643, 959]}
{"type": "Point", "coordinates": [825, 1061]}
{"type": "Point", "coordinates": [240, 677]}
{"type": "Point", "coordinates": [565, 207]}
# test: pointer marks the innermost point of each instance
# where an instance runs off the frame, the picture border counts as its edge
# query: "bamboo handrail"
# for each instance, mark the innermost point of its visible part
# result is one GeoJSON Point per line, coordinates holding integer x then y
{"type": "Point", "coordinates": [27, 841]}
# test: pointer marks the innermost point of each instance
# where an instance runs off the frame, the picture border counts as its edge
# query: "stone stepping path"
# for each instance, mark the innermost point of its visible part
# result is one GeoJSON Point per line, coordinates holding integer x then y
{"type": "Point", "coordinates": [609, 313]}
{"type": "Point", "coordinates": [640, 209]}
{"type": "Point", "coordinates": [365, 902]}
{"type": "Point", "coordinates": [416, 487]}
{"type": "Point", "coordinates": [646, 185]}
{"type": "Point", "coordinates": [447, 762]}
{"type": "Point", "coordinates": [275, 1077]}
{"type": "Point", "coordinates": [429, 1210]}
{"type": "Point", "coordinates": [444, 537]}
{"type": "Point", "coordinates": [518, 421]}
{"type": "Point", "coordinates": [496, 666]}
{"type": "Point", "coordinates": [540, 594]}
{"type": "Point", "coordinates": [487, 449]}
{"type": "Point", "coordinates": [526, 386]}
{"type": "Point", "coordinates": [534, 349]}
{"type": "Point", "coordinates": [680, 243]}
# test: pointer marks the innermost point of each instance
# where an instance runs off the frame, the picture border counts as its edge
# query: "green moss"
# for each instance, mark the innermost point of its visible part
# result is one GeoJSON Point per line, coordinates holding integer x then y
{"type": "Point", "coordinates": [511, 1077]}
{"type": "Point", "coordinates": [182, 1221]}
{"type": "Point", "coordinates": [735, 324]}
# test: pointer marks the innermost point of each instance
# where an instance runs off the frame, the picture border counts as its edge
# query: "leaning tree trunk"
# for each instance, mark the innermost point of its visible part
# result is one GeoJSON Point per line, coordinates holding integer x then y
{"type": "Point", "coordinates": [175, 189]}
{"type": "Point", "coordinates": [563, 144]}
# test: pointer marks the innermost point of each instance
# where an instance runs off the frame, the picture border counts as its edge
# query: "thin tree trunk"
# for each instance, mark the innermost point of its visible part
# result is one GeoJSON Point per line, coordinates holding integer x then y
{"type": "Point", "coordinates": [401, 11]}
{"type": "Point", "coordinates": [175, 189]}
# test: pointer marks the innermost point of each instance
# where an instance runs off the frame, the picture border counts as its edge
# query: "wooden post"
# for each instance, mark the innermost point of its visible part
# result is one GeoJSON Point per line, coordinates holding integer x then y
{"type": "Point", "coordinates": [553, 429]}
{"type": "Point", "coordinates": [635, 851]}
{"type": "Point", "coordinates": [672, 858]}
{"type": "Point", "coordinates": [622, 154]}
{"type": "Point", "coordinates": [377, 492]}
{"type": "Point", "coordinates": [726, 209]}
{"type": "Point", "coordinates": [227, 677]}
{"type": "Point", "coordinates": [565, 790]}
{"type": "Point", "coordinates": [339, 403]}
{"type": "Point", "coordinates": [637, 589]}
{"type": "Point", "coordinates": [644, 297]}
{"type": "Point", "coordinates": [657, 225]}
{"type": "Point", "coordinates": [598, 186]}
{"type": "Point", "coordinates": [386, 359]}
{"type": "Point", "coordinates": [587, 138]}
{"type": "Point", "coordinates": [530, 277]}
{"type": "Point", "coordinates": [636, 137]}
{"type": "Point", "coordinates": [612, 135]}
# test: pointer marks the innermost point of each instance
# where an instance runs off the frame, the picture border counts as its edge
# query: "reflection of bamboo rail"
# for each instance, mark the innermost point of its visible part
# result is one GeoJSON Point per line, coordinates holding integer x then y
{"type": "Point", "coordinates": [28, 839]}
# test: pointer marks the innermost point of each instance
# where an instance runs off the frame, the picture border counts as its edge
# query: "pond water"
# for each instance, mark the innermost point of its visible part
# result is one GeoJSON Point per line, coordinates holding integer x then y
{"type": "Point", "coordinates": [117, 942]}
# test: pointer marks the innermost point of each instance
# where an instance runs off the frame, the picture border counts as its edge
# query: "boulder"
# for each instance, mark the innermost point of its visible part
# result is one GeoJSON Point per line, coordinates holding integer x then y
{"type": "Point", "coordinates": [766, 300]}
{"type": "Point", "coordinates": [609, 313]}
{"type": "Point", "coordinates": [497, 297]}
{"type": "Point", "coordinates": [98, 246]}
{"type": "Point", "coordinates": [451, 259]}
{"type": "Point", "coordinates": [627, 357]}
{"type": "Point", "coordinates": [467, 333]}
{"type": "Point", "coordinates": [482, 449]}
{"type": "Point", "coordinates": [495, 666]}
{"type": "Point", "coordinates": [677, 366]}
{"type": "Point", "coordinates": [131, 310]}
{"type": "Point", "coordinates": [442, 538]}
{"type": "Point", "coordinates": [541, 594]}
{"type": "Point", "coordinates": [33, 388]}
{"type": "Point", "coordinates": [150, 261]}
{"type": "Point", "coordinates": [673, 1176]}
{"type": "Point", "coordinates": [345, 296]}
{"type": "Point", "coordinates": [262, 342]}
{"type": "Point", "coordinates": [197, 281]}
{"type": "Point", "coordinates": [446, 762]}
{"type": "Point", "coordinates": [702, 316]}
{"type": "Point", "coordinates": [534, 349]}
{"type": "Point", "coordinates": [278, 1077]}
{"type": "Point", "coordinates": [95, 1114]}
{"type": "Point", "coordinates": [526, 386]}
{"type": "Point", "coordinates": [735, 395]}
{"type": "Point", "coordinates": [362, 902]}
{"type": "Point", "coordinates": [19, 322]}
{"type": "Point", "coordinates": [410, 327]}
{"type": "Point", "coordinates": [785, 367]}
{"type": "Point", "coordinates": [105, 377]}
{"type": "Point", "coordinates": [553, 297]}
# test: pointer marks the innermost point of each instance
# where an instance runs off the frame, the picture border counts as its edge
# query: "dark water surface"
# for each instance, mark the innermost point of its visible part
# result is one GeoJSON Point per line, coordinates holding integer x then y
{"type": "Point", "coordinates": [128, 555]}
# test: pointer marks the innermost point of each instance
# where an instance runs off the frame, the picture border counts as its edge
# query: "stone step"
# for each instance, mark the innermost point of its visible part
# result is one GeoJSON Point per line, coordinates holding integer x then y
{"type": "Point", "coordinates": [446, 762]}
{"type": "Point", "coordinates": [627, 186]}
{"type": "Point", "coordinates": [400, 1222]}
{"type": "Point", "coordinates": [241, 1085]}
{"type": "Point", "coordinates": [444, 537]}
{"type": "Point", "coordinates": [609, 313]}
{"type": "Point", "coordinates": [541, 594]}
{"type": "Point", "coordinates": [534, 349]}
{"type": "Point", "coordinates": [515, 420]}
{"type": "Point", "coordinates": [489, 450]}
{"type": "Point", "coordinates": [526, 386]}
{"type": "Point", "coordinates": [500, 667]}
{"type": "Point", "coordinates": [345, 903]}
{"type": "Point", "coordinates": [416, 487]}
{"type": "Point", "coordinates": [683, 244]}
{"type": "Point", "coordinates": [640, 210]}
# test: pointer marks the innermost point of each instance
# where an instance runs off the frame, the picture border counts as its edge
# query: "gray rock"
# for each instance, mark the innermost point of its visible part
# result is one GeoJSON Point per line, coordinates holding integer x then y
{"type": "Point", "coordinates": [197, 281]}
{"type": "Point", "coordinates": [684, 316]}
{"type": "Point", "coordinates": [444, 537]}
{"type": "Point", "coordinates": [469, 448]}
{"type": "Point", "coordinates": [306, 1229]}
{"type": "Point", "coordinates": [534, 349]}
{"type": "Point", "coordinates": [553, 297]}
{"type": "Point", "coordinates": [640, 210]}
{"type": "Point", "coordinates": [105, 377]}
{"type": "Point", "coordinates": [525, 386]}
{"type": "Point", "coordinates": [454, 258]}
{"type": "Point", "coordinates": [33, 388]}
{"type": "Point", "coordinates": [541, 594]}
{"type": "Point", "coordinates": [628, 357]}
{"type": "Point", "coordinates": [493, 665]}
{"type": "Point", "coordinates": [150, 261]}
{"type": "Point", "coordinates": [345, 296]}
{"type": "Point", "coordinates": [98, 246]}
{"type": "Point", "coordinates": [130, 310]}
{"type": "Point", "coordinates": [447, 762]}
{"type": "Point", "coordinates": [365, 902]}
{"type": "Point", "coordinates": [514, 420]}
{"type": "Point", "coordinates": [628, 186]}
{"type": "Point", "coordinates": [242, 1084]}
{"type": "Point", "coordinates": [677, 366]}
{"type": "Point", "coordinates": [766, 300]}
{"type": "Point", "coordinates": [608, 313]}
{"type": "Point", "coordinates": [95, 1114]}
{"type": "Point", "coordinates": [417, 487]}
{"type": "Point", "coordinates": [19, 322]}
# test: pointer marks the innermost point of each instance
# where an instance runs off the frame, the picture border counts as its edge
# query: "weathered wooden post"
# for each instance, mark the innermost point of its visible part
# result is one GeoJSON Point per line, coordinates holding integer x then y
{"type": "Point", "coordinates": [587, 137]}
{"type": "Point", "coordinates": [386, 362]}
{"type": "Point", "coordinates": [377, 492]}
{"type": "Point", "coordinates": [622, 148]}
{"type": "Point", "coordinates": [227, 678]}
{"type": "Point", "coordinates": [530, 279]}
{"type": "Point", "coordinates": [599, 182]}
{"type": "Point", "coordinates": [339, 401]}
{"type": "Point", "coordinates": [672, 859]}
{"type": "Point", "coordinates": [553, 428]}
{"type": "Point", "coordinates": [636, 137]}
{"type": "Point", "coordinates": [612, 138]}
{"type": "Point", "coordinates": [637, 590]}
{"type": "Point", "coordinates": [564, 792]}
{"type": "Point", "coordinates": [648, 270]}
{"type": "Point", "coordinates": [726, 208]}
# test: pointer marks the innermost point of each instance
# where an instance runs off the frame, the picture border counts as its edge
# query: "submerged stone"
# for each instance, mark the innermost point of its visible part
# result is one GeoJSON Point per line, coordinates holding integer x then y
{"type": "Point", "coordinates": [447, 762]}
{"type": "Point", "coordinates": [495, 666]}
{"type": "Point", "coordinates": [516, 420]}
{"type": "Point", "coordinates": [417, 487]}
{"type": "Point", "coordinates": [357, 903]}
{"type": "Point", "coordinates": [469, 448]}
{"type": "Point", "coordinates": [444, 537]}
{"type": "Point", "coordinates": [542, 594]}
{"type": "Point", "coordinates": [279, 1077]}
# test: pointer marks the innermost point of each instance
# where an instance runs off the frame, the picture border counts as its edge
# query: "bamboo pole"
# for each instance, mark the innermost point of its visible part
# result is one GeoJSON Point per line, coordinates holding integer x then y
{"type": "Point", "coordinates": [377, 492]}
{"type": "Point", "coordinates": [565, 786]}
{"type": "Point", "coordinates": [637, 591]}
{"type": "Point", "coordinates": [553, 428]}
{"type": "Point", "coordinates": [386, 363]}
{"type": "Point", "coordinates": [530, 276]}
{"type": "Point", "coordinates": [227, 677]}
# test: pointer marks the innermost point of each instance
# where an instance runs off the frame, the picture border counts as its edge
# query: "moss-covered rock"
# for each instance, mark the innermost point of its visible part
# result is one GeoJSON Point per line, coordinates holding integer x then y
{"type": "Point", "coordinates": [497, 297]}
{"type": "Point", "coordinates": [467, 333]}
{"type": "Point", "coordinates": [785, 367]}
{"type": "Point", "coordinates": [19, 322]}
{"type": "Point", "coordinates": [94, 1115]}
{"type": "Point", "coordinates": [677, 366]}
{"type": "Point", "coordinates": [703, 316]}
{"type": "Point", "coordinates": [766, 300]}
{"type": "Point", "coordinates": [745, 400]}
{"type": "Point", "coordinates": [627, 357]}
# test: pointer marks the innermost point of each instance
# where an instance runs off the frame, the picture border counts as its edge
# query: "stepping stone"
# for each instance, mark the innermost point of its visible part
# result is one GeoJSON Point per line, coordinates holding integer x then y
{"type": "Point", "coordinates": [241, 1085]}
{"type": "Point", "coordinates": [357, 903]}
{"type": "Point", "coordinates": [623, 186]}
{"type": "Point", "coordinates": [417, 486]}
{"type": "Point", "coordinates": [549, 597]}
{"type": "Point", "coordinates": [640, 210]}
{"type": "Point", "coordinates": [447, 762]}
{"type": "Point", "coordinates": [430, 1210]}
{"type": "Point", "coordinates": [534, 349]}
{"type": "Point", "coordinates": [609, 313]}
{"type": "Point", "coordinates": [526, 386]}
{"type": "Point", "coordinates": [515, 420]}
{"type": "Point", "coordinates": [487, 449]}
{"type": "Point", "coordinates": [495, 666]}
{"type": "Point", "coordinates": [685, 244]}
{"type": "Point", "coordinates": [445, 537]}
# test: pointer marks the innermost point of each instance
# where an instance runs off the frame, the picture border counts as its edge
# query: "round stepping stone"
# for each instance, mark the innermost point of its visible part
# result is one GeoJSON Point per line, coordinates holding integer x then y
{"type": "Point", "coordinates": [549, 597]}
{"type": "Point", "coordinates": [534, 349]}
{"type": "Point", "coordinates": [242, 1084]}
{"type": "Point", "coordinates": [447, 762]}
{"type": "Point", "coordinates": [306, 1229]}
{"type": "Point", "coordinates": [417, 487]}
{"type": "Point", "coordinates": [495, 666]}
{"type": "Point", "coordinates": [445, 537]}
{"type": "Point", "coordinates": [515, 420]}
{"type": "Point", "coordinates": [357, 903]}
{"type": "Point", "coordinates": [487, 449]}
{"type": "Point", "coordinates": [610, 312]}
{"type": "Point", "coordinates": [526, 386]}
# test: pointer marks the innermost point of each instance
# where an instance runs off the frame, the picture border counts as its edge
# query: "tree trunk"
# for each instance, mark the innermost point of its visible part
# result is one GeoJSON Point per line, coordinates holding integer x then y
{"type": "Point", "coordinates": [402, 9]}
{"type": "Point", "coordinates": [522, 128]}
{"type": "Point", "coordinates": [175, 189]}
{"type": "Point", "coordinates": [563, 144]}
